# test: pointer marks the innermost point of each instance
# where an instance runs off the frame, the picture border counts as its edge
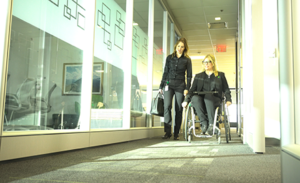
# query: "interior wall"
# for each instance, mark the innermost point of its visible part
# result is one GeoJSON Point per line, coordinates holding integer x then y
{"type": "Point", "coordinates": [247, 72]}
{"type": "Point", "coordinates": [288, 28]}
{"type": "Point", "coordinates": [260, 71]}
{"type": "Point", "coordinates": [270, 72]}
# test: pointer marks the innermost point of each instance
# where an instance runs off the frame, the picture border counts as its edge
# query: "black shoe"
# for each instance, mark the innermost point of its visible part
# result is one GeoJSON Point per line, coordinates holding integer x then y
{"type": "Point", "coordinates": [176, 137]}
{"type": "Point", "coordinates": [166, 136]}
{"type": "Point", "coordinates": [210, 130]}
{"type": "Point", "coordinates": [203, 128]}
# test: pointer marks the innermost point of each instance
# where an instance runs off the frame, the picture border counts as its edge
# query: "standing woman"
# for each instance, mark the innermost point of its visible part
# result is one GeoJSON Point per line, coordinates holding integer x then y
{"type": "Point", "coordinates": [173, 82]}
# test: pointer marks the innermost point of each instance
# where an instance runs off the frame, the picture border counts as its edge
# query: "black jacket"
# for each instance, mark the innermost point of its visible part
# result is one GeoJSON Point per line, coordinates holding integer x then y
{"type": "Point", "coordinates": [219, 84]}
{"type": "Point", "coordinates": [175, 70]}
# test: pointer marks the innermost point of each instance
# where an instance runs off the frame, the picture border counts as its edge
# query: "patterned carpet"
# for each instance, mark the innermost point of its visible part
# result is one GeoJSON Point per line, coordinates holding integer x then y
{"type": "Point", "coordinates": [151, 160]}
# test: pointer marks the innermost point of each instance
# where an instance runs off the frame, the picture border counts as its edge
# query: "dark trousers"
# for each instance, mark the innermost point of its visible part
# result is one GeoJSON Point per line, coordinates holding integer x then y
{"type": "Point", "coordinates": [175, 87]}
{"type": "Point", "coordinates": [206, 104]}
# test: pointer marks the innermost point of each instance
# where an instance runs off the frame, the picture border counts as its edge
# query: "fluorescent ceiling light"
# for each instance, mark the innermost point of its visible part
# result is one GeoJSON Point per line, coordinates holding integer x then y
{"type": "Point", "coordinates": [99, 70]}
{"type": "Point", "coordinates": [135, 24]}
{"type": "Point", "coordinates": [217, 18]}
{"type": "Point", "coordinates": [197, 57]}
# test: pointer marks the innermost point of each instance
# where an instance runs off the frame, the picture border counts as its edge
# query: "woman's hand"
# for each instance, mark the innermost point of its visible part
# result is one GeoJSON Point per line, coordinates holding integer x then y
{"type": "Point", "coordinates": [228, 103]}
{"type": "Point", "coordinates": [184, 104]}
{"type": "Point", "coordinates": [160, 91]}
{"type": "Point", "coordinates": [185, 92]}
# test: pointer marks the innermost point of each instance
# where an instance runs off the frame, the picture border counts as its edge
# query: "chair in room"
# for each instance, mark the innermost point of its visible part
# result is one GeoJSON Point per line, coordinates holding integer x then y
{"type": "Point", "coordinates": [43, 104]}
{"type": "Point", "coordinates": [20, 102]}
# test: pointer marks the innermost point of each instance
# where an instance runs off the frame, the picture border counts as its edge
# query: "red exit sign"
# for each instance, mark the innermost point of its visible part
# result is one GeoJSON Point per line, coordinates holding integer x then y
{"type": "Point", "coordinates": [221, 48]}
{"type": "Point", "coordinates": [159, 51]}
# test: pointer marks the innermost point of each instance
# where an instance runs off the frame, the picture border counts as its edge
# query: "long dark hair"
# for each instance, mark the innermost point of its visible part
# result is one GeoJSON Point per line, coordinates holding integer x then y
{"type": "Point", "coordinates": [186, 48]}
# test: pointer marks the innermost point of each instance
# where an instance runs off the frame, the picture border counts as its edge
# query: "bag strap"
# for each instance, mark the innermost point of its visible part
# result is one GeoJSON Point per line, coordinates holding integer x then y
{"type": "Point", "coordinates": [158, 94]}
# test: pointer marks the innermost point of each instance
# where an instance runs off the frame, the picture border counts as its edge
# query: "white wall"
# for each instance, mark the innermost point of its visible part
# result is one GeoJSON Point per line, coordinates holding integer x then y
{"type": "Point", "coordinates": [271, 75]}
{"type": "Point", "coordinates": [260, 73]}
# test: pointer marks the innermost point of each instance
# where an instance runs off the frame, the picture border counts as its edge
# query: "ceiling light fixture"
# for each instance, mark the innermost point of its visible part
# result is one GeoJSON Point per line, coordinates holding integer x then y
{"type": "Point", "coordinates": [135, 24]}
{"type": "Point", "coordinates": [197, 57]}
{"type": "Point", "coordinates": [217, 18]}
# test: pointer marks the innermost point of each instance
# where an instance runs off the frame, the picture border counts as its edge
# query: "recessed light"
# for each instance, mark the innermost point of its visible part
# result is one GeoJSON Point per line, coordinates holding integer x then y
{"type": "Point", "coordinates": [197, 57]}
{"type": "Point", "coordinates": [217, 18]}
{"type": "Point", "coordinates": [135, 24]}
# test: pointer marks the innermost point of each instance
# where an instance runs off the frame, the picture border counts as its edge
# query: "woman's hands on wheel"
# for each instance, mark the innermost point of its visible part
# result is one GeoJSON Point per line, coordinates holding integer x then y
{"type": "Point", "coordinates": [185, 92]}
{"type": "Point", "coordinates": [228, 103]}
{"type": "Point", "coordinates": [184, 104]}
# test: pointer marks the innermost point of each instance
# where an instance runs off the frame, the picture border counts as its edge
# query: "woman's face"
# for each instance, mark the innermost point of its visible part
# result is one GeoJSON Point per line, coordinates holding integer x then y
{"type": "Point", "coordinates": [180, 48]}
{"type": "Point", "coordinates": [207, 64]}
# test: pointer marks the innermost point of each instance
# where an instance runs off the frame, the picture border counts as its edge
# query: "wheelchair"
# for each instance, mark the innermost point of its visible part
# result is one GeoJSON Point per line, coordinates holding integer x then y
{"type": "Point", "coordinates": [221, 116]}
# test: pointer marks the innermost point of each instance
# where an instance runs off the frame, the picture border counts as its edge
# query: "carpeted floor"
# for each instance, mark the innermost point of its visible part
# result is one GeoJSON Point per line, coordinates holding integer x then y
{"type": "Point", "coordinates": [151, 160]}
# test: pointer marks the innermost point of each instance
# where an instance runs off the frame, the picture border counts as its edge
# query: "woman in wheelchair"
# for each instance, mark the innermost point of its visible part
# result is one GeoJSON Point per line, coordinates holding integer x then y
{"type": "Point", "coordinates": [208, 80]}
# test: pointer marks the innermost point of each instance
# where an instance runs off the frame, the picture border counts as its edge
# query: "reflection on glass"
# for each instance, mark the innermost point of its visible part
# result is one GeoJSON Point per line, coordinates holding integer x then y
{"type": "Point", "coordinates": [139, 68]}
{"type": "Point", "coordinates": [168, 52]}
{"type": "Point", "coordinates": [45, 65]}
{"type": "Point", "coordinates": [158, 57]}
{"type": "Point", "coordinates": [107, 105]}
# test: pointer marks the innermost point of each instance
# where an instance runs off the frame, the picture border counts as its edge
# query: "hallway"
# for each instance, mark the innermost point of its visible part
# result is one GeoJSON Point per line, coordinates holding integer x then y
{"type": "Point", "coordinates": [151, 160]}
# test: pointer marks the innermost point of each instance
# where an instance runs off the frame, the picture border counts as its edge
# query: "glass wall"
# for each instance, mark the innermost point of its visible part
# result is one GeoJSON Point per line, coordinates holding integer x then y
{"type": "Point", "coordinates": [53, 69]}
{"type": "Point", "coordinates": [108, 75]}
{"type": "Point", "coordinates": [139, 68]}
{"type": "Point", "coordinates": [46, 61]}
{"type": "Point", "coordinates": [296, 46]}
{"type": "Point", "coordinates": [169, 34]}
{"type": "Point", "coordinates": [158, 58]}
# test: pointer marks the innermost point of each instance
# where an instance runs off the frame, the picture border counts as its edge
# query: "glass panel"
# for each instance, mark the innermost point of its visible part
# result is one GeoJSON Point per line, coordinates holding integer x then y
{"type": "Point", "coordinates": [48, 44]}
{"type": "Point", "coordinates": [296, 54]}
{"type": "Point", "coordinates": [169, 38]}
{"type": "Point", "coordinates": [158, 58]}
{"type": "Point", "coordinates": [139, 68]}
{"type": "Point", "coordinates": [176, 38]}
{"type": "Point", "coordinates": [107, 96]}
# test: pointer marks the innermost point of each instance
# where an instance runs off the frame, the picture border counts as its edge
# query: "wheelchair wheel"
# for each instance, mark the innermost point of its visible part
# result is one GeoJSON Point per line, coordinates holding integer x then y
{"type": "Point", "coordinates": [227, 132]}
{"type": "Point", "coordinates": [187, 122]}
{"type": "Point", "coordinates": [190, 138]}
{"type": "Point", "coordinates": [227, 129]}
{"type": "Point", "coordinates": [218, 137]}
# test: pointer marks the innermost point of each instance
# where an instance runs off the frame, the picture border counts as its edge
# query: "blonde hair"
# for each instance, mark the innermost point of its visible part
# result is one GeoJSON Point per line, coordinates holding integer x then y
{"type": "Point", "coordinates": [213, 62]}
{"type": "Point", "coordinates": [186, 48]}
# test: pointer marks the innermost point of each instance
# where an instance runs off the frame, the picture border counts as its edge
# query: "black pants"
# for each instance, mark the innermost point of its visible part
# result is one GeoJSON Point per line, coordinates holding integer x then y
{"type": "Point", "coordinates": [206, 104]}
{"type": "Point", "coordinates": [175, 87]}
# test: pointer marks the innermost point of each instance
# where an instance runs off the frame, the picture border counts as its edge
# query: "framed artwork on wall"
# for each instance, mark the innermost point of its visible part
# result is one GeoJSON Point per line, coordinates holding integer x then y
{"type": "Point", "coordinates": [72, 76]}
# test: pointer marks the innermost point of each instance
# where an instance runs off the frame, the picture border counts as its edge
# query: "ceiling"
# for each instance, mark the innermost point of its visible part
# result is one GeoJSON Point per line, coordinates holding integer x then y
{"type": "Point", "coordinates": [192, 18]}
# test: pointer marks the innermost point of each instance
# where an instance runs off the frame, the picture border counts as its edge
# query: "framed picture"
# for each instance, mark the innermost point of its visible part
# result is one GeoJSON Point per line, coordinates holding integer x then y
{"type": "Point", "coordinates": [72, 76]}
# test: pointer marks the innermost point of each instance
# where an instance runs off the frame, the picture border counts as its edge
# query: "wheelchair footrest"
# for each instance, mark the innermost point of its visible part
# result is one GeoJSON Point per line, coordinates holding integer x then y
{"type": "Point", "coordinates": [203, 136]}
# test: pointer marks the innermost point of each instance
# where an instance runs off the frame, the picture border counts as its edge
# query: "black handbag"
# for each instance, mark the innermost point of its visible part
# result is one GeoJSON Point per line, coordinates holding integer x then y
{"type": "Point", "coordinates": [157, 106]}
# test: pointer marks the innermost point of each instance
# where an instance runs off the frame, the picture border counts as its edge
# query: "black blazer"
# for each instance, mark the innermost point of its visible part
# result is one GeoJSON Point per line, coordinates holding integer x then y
{"type": "Point", "coordinates": [219, 84]}
{"type": "Point", "coordinates": [175, 69]}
